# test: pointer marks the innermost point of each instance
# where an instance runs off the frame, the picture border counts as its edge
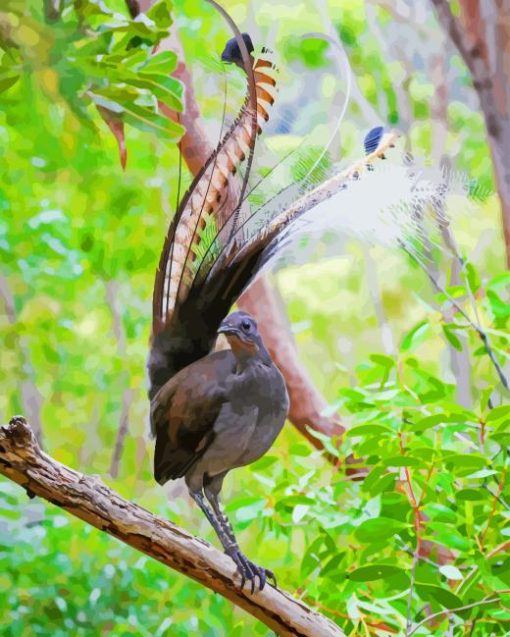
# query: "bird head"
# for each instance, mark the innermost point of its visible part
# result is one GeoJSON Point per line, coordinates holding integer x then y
{"type": "Point", "coordinates": [232, 53]}
{"type": "Point", "coordinates": [242, 335]}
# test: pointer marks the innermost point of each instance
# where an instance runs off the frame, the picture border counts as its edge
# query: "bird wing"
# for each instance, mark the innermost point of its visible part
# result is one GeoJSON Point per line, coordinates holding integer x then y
{"type": "Point", "coordinates": [184, 411]}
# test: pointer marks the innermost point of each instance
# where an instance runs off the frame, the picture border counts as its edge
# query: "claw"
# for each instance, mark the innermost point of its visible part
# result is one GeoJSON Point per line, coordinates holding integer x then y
{"type": "Point", "coordinates": [250, 571]}
{"type": "Point", "coordinates": [271, 578]}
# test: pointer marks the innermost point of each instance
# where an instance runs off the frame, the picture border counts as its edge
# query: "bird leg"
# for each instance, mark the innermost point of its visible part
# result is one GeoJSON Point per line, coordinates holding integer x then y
{"type": "Point", "coordinates": [226, 537]}
{"type": "Point", "coordinates": [247, 568]}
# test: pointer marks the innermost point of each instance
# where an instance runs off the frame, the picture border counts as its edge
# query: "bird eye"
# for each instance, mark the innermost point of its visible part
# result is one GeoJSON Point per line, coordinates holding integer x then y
{"type": "Point", "coordinates": [246, 325]}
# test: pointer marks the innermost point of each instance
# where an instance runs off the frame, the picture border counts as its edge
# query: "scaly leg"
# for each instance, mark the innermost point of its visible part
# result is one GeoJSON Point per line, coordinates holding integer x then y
{"type": "Point", "coordinates": [248, 570]}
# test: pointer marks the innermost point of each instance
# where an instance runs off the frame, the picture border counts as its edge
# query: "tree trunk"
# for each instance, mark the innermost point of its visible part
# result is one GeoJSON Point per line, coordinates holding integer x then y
{"type": "Point", "coordinates": [482, 34]}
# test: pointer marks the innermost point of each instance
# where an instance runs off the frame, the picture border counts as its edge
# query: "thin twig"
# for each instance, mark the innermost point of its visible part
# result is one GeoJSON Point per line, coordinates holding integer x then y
{"type": "Point", "coordinates": [453, 610]}
{"type": "Point", "coordinates": [501, 486]}
{"type": "Point", "coordinates": [417, 526]}
{"type": "Point", "coordinates": [478, 329]}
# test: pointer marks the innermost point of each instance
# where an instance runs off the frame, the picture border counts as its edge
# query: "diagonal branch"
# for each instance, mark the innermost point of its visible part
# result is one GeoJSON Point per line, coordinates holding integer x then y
{"type": "Point", "coordinates": [89, 499]}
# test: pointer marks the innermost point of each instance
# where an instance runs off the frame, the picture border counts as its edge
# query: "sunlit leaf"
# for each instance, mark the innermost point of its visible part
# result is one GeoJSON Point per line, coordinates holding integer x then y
{"type": "Point", "coordinates": [373, 572]}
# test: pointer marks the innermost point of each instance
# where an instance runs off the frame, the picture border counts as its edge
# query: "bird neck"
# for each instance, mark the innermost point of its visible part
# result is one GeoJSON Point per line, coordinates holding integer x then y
{"type": "Point", "coordinates": [248, 355]}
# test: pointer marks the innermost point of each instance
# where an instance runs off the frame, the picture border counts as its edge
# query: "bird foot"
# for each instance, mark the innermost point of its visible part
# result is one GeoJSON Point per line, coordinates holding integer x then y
{"type": "Point", "coordinates": [250, 571]}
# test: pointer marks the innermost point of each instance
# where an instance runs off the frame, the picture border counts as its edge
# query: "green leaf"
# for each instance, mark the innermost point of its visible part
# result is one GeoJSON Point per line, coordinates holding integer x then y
{"type": "Point", "coordinates": [439, 512]}
{"type": "Point", "coordinates": [167, 89]}
{"type": "Point", "coordinates": [264, 463]}
{"type": "Point", "coordinates": [499, 308]}
{"type": "Point", "coordinates": [386, 483]}
{"type": "Point", "coordinates": [472, 495]}
{"type": "Point", "coordinates": [452, 540]}
{"type": "Point", "coordinates": [369, 430]}
{"type": "Point", "coordinates": [425, 423]}
{"type": "Point", "coordinates": [146, 120]}
{"type": "Point", "coordinates": [7, 82]}
{"type": "Point", "coordinates": [159, 12]}
{"type": "Point", "coordinates": [311, 558]}
{"type": "Point", "coordinates": [373, 572]}
{"type": "Point", "coordinates": [465, 462]}
{"type": "Point", "coordinates": [332, 565]}
{"type": "Point", "coordinates": [401, 461]}
{"type": "Point", "coordinates": [499, 282]}
{"type": "Point", "coordinates": [164, 62]}
{"type": "Point", "coordinates": [452, 338]}
{"type": "Point", "coordinates": [384, 361]}
{"type": "Point", "coordinates": [300, 449]}
{"type": "Point", "coordinates": [415, 336]}
{"type": "Point", "coordinates": [245, 501]}
{"type": "Point", "coordinates": [109, 104]}
{"type": "Point", "coordinates": [497, 413]}
{"type": "Point", "coordinates": [445, 597]}
{"type": "Point", "coordinates": [378, 530]}
{"type": "Point", "coordinates": [293, 500]}
{"type": "Point", "coordinates": [473, 278]}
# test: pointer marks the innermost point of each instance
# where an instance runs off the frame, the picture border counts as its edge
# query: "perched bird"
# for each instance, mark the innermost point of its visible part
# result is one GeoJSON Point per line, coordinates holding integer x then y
{"type": "Point", "coordinates": [214, 411]}
{"type": "Point", "coordinates": [222, 411]}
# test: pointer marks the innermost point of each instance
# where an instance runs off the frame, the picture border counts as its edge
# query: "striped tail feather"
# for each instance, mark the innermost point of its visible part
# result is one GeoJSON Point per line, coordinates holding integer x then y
{"type": "Point", "coordinates": [208, 205]}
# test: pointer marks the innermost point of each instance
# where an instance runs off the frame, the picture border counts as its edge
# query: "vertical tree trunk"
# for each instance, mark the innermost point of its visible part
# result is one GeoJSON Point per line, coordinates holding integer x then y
{"type": "Point", "coordinates": [482, 35]}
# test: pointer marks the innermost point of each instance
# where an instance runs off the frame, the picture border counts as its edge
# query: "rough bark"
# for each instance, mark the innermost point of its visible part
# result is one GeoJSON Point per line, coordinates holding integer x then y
{"type": "Point", "coordinates": [482, 36]}
{"type": "Point", "coordinates": [89, 499]}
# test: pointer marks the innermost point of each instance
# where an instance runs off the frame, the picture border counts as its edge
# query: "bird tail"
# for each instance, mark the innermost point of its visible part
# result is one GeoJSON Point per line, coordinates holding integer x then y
{"type": "Point", "coordinates": [216, 245]}
{"type": "Point", "coordinates": [211, 205]}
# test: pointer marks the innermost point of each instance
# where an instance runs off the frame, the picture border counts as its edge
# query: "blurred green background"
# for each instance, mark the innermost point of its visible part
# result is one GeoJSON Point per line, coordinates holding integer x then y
{"type": "Point", "coordinates": [80, 241]}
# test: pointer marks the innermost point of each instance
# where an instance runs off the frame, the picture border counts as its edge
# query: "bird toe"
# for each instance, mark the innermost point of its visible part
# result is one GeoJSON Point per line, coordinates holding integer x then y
{"type": "Point", "coordinates": [249, 572]}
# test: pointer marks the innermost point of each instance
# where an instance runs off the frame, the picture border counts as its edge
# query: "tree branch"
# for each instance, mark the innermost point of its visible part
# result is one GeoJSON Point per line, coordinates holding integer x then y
{"type": "Point", "coordinates": [471, 54]}
{"type": "Point", "coordinates": [481, 35]}
{"type": "Point", "coordinates": [89, 499]}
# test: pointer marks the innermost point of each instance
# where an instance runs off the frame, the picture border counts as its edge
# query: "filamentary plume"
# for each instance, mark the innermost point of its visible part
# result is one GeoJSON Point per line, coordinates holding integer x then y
{"type": "Point", "coordinates": [403, 203]}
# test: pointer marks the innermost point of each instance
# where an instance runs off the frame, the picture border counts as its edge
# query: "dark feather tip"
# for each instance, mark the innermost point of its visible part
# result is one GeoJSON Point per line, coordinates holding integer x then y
{"type": "Point", "coordinates": [373, 139]}
{"type": "Point", "coordinates": [232, 53]}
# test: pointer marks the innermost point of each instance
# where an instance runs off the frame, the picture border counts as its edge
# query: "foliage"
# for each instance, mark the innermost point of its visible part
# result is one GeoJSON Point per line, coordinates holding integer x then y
{"type": "Point", "coordinates": [79, 242]}
{"type": "Point", "coordinates": [96, 55]}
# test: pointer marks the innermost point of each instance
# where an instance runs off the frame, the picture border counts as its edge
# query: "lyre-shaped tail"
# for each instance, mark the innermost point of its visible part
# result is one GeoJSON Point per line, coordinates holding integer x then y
{"type": "Point", "coordinates": [211, 203]}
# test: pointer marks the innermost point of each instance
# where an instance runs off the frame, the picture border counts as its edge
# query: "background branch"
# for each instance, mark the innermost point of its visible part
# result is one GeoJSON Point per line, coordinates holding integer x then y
{"type": "Point", "coordinates": [481, 34]}
{"type": "Point", "coordinates": [89, 499]}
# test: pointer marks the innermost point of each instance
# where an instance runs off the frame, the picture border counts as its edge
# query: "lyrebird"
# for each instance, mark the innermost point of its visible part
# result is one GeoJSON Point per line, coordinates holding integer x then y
{"type": "Point", "coordinates": [214, 411]}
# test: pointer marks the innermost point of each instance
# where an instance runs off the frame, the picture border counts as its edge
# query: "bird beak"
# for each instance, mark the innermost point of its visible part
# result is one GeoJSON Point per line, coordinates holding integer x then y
{"type": "Point", "coordinates": [227, 328]}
